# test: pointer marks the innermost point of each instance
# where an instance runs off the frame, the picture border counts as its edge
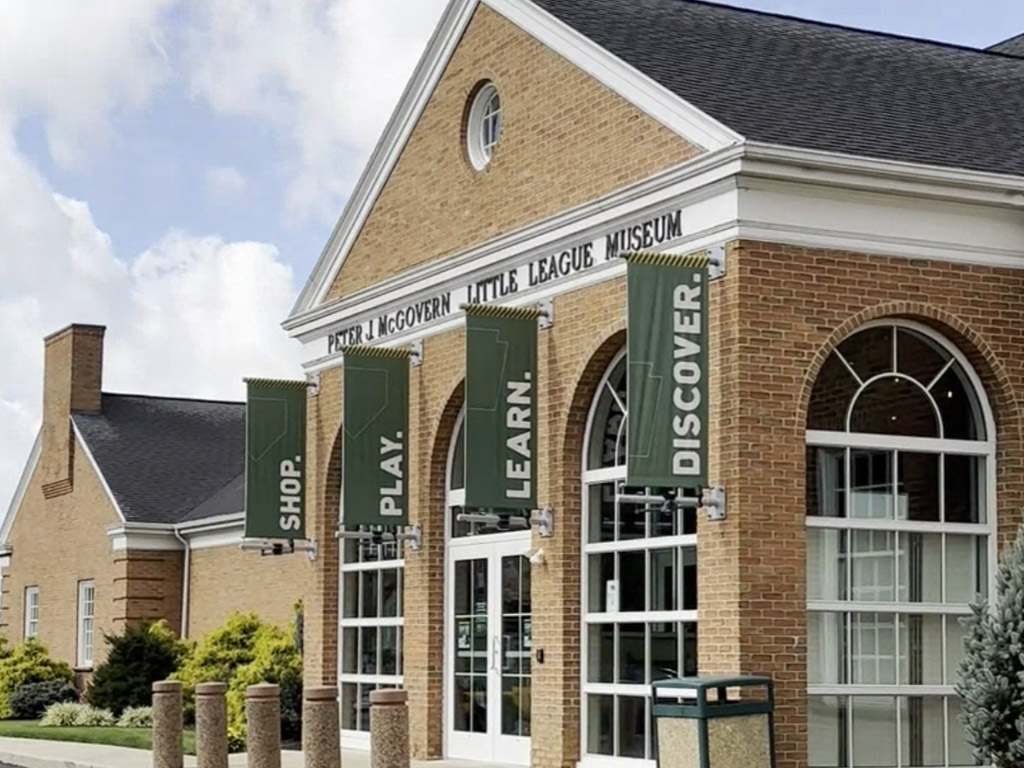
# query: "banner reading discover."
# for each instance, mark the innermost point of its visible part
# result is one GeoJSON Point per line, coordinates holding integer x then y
{"type": "Point", "coordinates": [666, 431]}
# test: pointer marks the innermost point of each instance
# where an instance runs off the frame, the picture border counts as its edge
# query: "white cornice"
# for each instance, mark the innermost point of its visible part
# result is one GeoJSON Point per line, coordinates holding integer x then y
{"type": "Point", "coordinates": [22, 488]}
{"type": "Point", "coordinates": [389, 147]}
{"type": "Point", "coordinates": [220, 531]}
{"type": "Point", "coordinates": [150, 537]}
{"type": "Point", "coordinates": [891, 176]}
{"type": "Point", "coordinates": [700, 172]}
{"type": "Point", "coordinates": [99, 473]}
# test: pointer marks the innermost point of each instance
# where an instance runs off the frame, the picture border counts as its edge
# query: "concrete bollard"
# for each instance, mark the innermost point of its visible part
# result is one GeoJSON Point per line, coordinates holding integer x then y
{"type": "Point", "coordinates": [168, 751]}
{"type": "Point", "coordinates": [211, 725]}
{"type": "Point", "coordinates": [320, 729]}
{"type": "Point", "coordinates": [263, 725]}
{"type": "Point", "coordinates": [389, 729]}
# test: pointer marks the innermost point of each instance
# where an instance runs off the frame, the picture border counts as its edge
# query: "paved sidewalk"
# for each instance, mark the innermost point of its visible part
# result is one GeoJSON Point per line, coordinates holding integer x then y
{"type": "Point", "coordinates": [36, 753]}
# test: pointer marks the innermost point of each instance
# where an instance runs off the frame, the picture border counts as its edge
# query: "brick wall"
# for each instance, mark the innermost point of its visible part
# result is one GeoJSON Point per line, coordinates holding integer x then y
{"type": "Point", "coordinates": [58, 542]}
{"type": "Point", "coordinates": [551, 155]}
{"type": "Point", "coordinates": [227, 579]}
{"type": "Point", "coordinates": [72, 381]}
{"type": "Point", "coordinates": [780, 312]}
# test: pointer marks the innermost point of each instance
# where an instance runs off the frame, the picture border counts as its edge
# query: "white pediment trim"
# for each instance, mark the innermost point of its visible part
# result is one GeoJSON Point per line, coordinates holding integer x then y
{"type": "Point", "coordinates": [635, 87]}
{"type": "Point", "coordinates": [21, 489]}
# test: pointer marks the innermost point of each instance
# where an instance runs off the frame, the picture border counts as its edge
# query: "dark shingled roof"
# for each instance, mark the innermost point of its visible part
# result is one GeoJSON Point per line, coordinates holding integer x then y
{"type": "Point", "coordinates": [787, 81]}
{"type": "Point", "coordinates": [164, 457]}
{"type": "Point", "coordinates": [1012, 47]}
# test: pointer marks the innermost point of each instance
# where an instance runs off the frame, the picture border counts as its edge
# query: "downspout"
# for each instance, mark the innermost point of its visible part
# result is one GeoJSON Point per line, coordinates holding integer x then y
{"type": "Point", "coordinates": [184, 584]}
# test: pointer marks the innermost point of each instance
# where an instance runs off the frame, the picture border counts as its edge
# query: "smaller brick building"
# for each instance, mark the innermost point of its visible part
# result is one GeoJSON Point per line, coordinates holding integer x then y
{"type": "Point", "coordinates": [130, 508]}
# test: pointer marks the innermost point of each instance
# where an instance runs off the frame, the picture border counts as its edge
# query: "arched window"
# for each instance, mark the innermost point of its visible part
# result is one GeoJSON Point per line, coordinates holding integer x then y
{"type": "Point", "coordinates": [900, 504]}
{"type": "Point", "coordinates": [639, 589]}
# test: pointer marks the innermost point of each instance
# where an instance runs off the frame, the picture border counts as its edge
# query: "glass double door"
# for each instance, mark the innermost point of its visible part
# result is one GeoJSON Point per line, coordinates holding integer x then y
{"type": "Point", "coordinates": [490, 649]}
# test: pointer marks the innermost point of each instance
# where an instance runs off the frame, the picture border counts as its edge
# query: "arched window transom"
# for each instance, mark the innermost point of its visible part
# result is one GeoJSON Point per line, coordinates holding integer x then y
{"type": "Point", "coordinates": [900, 501]}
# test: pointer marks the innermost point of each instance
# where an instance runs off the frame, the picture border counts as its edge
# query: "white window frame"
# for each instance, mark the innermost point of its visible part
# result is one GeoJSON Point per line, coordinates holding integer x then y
{"type": "Point", "coordinates": [985, 448]}
{"type": "Point", "coordinates": [360, 739]}
{"type": "Point", "coordinates": [483, 125]}
{"type": "Point", "coordinates": [31, 612]}
{"type": "Point", "coordinates": [86, 623]}
{"type": "Point", "coordinates": [590, 478]}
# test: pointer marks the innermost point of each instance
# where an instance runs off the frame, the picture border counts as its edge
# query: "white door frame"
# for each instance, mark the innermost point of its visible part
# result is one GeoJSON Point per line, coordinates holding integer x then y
{"type": "Point", "coordinates": [490, 746]}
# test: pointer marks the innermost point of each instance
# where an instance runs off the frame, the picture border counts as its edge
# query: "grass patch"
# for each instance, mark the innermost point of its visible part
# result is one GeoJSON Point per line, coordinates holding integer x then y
{"type": "Point", "coordinates": [138, 738]}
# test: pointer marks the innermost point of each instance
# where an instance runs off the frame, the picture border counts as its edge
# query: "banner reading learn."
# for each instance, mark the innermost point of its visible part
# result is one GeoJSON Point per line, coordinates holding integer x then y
{"type": "Point", "coordinates": [666, 430]}
{"type": "Point", "coordinates": [376, 429]}
{"type": "Point", "coordinates": [275, 471]}
{"type": "Point", "coordinates": [501, 403]}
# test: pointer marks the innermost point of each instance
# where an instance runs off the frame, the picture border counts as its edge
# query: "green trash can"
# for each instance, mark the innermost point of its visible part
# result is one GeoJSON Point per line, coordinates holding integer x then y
{"type": "Point", "coordinates": [696, 725]}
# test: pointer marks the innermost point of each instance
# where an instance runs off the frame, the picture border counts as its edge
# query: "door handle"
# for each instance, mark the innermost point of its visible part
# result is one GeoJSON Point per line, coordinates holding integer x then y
{"type": "Point", "coordinates": [495, 652]}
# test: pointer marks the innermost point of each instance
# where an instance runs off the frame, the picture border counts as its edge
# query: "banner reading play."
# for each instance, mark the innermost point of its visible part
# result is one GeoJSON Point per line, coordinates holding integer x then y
{"type": "Point", "coordinates": [376, 428]}
{"type": "Point", "coordinates": [666, 429]}
{"type": "Point", "coordinates": [275, 471]}
{"type": "Point", "coordinates": [501, 402]}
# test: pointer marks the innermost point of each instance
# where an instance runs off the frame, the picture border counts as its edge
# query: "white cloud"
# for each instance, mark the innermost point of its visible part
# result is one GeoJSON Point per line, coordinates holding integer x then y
{"type": "Point", "coordinates": [224, 184]}
{"type": "Point", "coordinates": [74, 62]}
{"type": "Point", "coordinates": [190, 316]}
{"type": "Point", "coordinates": [326, 74]}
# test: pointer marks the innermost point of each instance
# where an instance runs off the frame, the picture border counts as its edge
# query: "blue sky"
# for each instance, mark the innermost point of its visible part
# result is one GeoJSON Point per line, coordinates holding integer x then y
{"type": "Point", "coordinates": [172, 168]}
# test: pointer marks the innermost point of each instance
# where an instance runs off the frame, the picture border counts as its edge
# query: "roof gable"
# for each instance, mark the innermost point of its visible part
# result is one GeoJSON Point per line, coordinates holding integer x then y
{"type": "Point", "coordinates": [781, 80]}
{"type": "Point", "coordinates": [162, 457]}
{"type": "Point", "coordinates": [636, 88]}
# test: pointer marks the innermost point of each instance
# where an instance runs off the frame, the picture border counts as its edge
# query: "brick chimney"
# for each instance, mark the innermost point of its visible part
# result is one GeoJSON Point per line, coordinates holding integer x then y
{"type": "Point", "coordinates": [72, 380]}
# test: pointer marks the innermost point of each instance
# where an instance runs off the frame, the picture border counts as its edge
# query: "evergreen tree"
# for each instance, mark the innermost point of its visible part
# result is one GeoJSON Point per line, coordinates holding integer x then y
{"type": "Point", "coordinates": [991, 684]}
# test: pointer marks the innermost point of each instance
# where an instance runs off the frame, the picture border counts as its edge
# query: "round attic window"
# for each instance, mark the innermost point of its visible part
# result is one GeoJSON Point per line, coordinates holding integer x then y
{"type": "Point", "coordinates": [483, 125]}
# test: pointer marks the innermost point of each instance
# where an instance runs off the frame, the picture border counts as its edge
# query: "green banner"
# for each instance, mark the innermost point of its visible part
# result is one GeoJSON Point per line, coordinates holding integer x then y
{"type": "Point", "coordinates": [375, 454]}
{"type": "Point", "coordinates": [275, 467]}
{"type": "Point", "coordinates": [666, 429]}
{"type": "Point", "coordinates": [501, 400]}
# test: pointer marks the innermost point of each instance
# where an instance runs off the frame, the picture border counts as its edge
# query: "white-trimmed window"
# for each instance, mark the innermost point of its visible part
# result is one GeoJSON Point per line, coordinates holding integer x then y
{"type": "Point", "coordinates": [483, 125]}
{"type": "Point", "coordinates": [639, 590]}
{"type": "Point", "coordinates": [86, 622]}
{"type": "Point", "coordinates": [31, 612]}
{"type": "Point", "coordinates": [900, 507]}
{"type": "Point", "coordinates": [371, 625]}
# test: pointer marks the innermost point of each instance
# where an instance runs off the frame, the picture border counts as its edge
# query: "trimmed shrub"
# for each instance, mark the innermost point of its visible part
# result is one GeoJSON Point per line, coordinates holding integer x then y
{"type": "Point", "coordinates": [138, 657]}
{"type": "Point", "coordinates": [136, 717]}
{"type": "Point", "coordinates": [275, 660]}
{"type": "Point", "coordinates": [246, 651]}
{"type": "Point", "coordinates": [28, 663]}
{"type": "Point", "coordinates": [71, 714]}
{"type": "Point", "coordinates": [32, 699]}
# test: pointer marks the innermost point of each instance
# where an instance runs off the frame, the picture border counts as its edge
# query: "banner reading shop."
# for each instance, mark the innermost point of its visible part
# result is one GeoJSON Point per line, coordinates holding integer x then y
{"type": "Point", "coordinates": [501, 402]}
{"type": "Point", "coordinates": [666, 432]}
{"type": "Point", "coordinates": [376, 432]}
{"type": "Point", "coordinates": [275, 471]}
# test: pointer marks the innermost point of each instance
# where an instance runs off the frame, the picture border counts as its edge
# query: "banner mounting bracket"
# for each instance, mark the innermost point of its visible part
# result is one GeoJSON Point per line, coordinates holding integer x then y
{"type": "Point", "coordinates": [313, 380]}
{"type": "Point", "coordinates": [544, 519]}
{"type": "Point", "coordinates": [416, 353]}
{"type": "Point", "coordinates": [546, 313]}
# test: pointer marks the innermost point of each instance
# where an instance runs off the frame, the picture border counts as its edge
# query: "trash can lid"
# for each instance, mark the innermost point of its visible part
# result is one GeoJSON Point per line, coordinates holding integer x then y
{"type": "Point", "coordinates": [704, 683]}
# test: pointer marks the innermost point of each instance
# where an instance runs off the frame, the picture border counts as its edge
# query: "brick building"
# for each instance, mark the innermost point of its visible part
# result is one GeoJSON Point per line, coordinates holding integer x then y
{"type": "Point", "coordinates": [866, 191]}
{"type": "Point", "coordinates": [130, 508]}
